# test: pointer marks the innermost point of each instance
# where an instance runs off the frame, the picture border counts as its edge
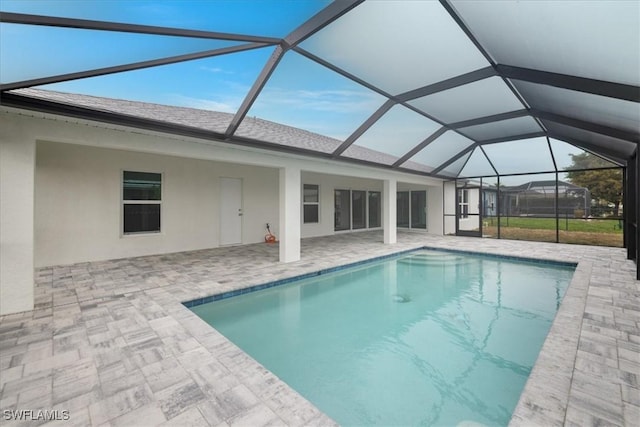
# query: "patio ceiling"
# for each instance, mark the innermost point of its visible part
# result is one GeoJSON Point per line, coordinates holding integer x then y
{"type": "Point", "coordinates": [440, 88]}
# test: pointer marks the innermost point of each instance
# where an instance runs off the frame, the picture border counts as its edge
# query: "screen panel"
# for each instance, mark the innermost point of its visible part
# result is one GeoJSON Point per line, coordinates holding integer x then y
{"type": "Point", "coordinates": [32, 51]}
{"type": "Point", "coordinates": [598, 109]}
{"type": "Point", "coordinates": [477, 166]}
{"type": "Point", "coordinates": [440, 150]}
{"type": "Point", "coordinates": [594, 39]}
{"type": "Point", "coordinates": [527, 207]}
{"type": "Point", "coordinates": [570, 157]}
{"type": "Point", "coordinates": [260, 18]}
{"type": "Point", "coordinates": [379, 41]}
{"type": "Point", "coordinates": [478, 99]}
{"type": "Point", "coordinates": [306, 95]}
{"type": "Point", "coordinates": [502, 129]}
{"type": "Point", "coordinates": [454, 168]}
{"type": "Point", "coordinates": [533, 155]}
{"type": "Point", "coordinates": [397, 132]}
{"type": "Point", "coordinates": [623, 148]}
{"type": "Point", "coordinates": [212, 89]}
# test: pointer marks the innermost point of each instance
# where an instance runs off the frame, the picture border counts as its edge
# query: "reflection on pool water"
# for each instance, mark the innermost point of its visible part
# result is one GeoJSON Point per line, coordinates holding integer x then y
{"type": "Point", "coordinates": [427, 338]}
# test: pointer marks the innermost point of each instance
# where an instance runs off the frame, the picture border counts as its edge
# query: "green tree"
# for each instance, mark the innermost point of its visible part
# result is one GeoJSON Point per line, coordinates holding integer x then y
{"type": "Point", "coordinates": [605, 185]}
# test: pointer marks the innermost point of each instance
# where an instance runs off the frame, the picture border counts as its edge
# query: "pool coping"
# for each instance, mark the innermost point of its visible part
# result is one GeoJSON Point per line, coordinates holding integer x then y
{"type": "Point", "coordinates": [545, 397]}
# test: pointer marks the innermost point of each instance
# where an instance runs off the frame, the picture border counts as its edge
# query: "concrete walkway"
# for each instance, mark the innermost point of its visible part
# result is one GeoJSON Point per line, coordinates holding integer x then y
{"type": "Point", "coordinates": [110, 343]}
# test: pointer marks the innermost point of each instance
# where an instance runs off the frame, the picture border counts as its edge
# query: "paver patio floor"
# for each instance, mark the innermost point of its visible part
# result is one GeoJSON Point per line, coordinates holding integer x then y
{"type": "Point", "coordinates": [111, 343]}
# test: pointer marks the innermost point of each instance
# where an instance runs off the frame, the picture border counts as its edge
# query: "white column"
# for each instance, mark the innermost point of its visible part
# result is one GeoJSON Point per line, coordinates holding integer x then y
{"type": "Point", "coordinates": [435, 210]}
{"type": "Point", "coordinates": [290, 208]}
{"type": "Point", "coordinates": [17, 175]}
{"type": "Point", "coordinates": [389, 210]}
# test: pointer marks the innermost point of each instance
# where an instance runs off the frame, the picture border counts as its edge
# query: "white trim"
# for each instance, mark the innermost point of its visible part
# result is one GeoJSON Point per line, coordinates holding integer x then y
{"type": "Point", "coordinates": [124, 202]}
{"type": "Point", "coordinates": [311, 204]}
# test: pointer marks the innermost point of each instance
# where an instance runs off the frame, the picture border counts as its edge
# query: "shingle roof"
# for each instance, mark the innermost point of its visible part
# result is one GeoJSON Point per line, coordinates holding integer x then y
{"type": "Point", "coordinates": [201, 119]}
{"type": "Point", "coordinates": [538, 184]}
{"type": "Point", "coordinates": [214, 121]}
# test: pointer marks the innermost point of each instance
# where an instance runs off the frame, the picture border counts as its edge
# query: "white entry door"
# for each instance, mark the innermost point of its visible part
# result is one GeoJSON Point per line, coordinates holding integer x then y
{"type": "Point", "coordinates": [230, 211]}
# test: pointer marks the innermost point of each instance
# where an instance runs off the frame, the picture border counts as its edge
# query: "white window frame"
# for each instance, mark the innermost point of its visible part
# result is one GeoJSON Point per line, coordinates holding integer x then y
{"type": "Point", "coordinates": [317, 204]}
{"type": "Point", "coordinates": [124, 202]}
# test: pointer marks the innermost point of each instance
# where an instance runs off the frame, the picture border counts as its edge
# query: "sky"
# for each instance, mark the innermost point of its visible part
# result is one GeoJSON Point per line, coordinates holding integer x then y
{"type": "Point", "coordinates": [300, 92]}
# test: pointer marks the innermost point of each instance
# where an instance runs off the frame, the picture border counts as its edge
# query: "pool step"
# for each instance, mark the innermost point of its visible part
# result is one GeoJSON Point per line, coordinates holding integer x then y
{"type": "Point", "coordinates": [434, 260]}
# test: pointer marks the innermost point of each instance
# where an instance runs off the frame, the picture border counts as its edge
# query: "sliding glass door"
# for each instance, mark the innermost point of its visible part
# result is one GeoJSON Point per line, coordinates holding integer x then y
{"type": "Point", "coordinates": [375, 209]}
{"type": "Point", "coordinates": [358, 209]}
{"type": "Point", "coordinates": [419, 209]}
{"type": "Point", "coordinates": [412, 209]}
{"type": "Point", "coordinates": [342, 213]}
{"type": "Point", "coordinates": [402, 212]}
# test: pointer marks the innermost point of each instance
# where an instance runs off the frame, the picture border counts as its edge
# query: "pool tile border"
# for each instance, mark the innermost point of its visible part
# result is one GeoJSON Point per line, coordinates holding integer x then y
{"type": "Point", "coordinates": [272, 284]}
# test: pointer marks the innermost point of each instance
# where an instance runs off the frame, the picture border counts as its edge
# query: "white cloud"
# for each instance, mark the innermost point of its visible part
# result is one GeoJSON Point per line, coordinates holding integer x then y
{"type": "Point", "coordinates": [334, 113]}
{"type": "Point", "coordinates": [331, 101]}
{"type": "Point", "coordinates": [215, 70]}
{"type": "Point", "coordinates": [205, 104]}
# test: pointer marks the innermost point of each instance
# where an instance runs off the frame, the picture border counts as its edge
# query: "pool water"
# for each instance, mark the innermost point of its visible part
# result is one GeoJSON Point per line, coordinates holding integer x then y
{"type": "Point", "coordinates": [427, 338]}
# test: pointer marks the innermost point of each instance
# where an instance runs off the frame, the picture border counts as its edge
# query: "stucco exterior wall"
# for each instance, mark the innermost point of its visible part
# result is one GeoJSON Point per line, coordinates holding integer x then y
{"type": "Point", "coordinates": [327, 184]}
{"type": "Point", "coordinates": [17, 162]}
{"type": "Point", "coordinates": [78, 214]}
{"type": "Point", "coordinates": [78, 209]}
{"type": "Point", "coordinates": [61, 193]}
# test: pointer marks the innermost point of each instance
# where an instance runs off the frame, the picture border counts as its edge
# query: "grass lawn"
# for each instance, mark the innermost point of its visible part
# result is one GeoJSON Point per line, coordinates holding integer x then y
{"type": "Point", "coordinates": [579, 231]}
{"type": "Point", "coordinates": [571, 224]}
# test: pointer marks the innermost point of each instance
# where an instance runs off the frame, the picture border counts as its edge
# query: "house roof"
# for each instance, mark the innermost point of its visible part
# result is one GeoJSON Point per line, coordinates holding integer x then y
{"type": "Point", "coordinates": [538, 184]}
{"type": "Point", "coordinates": [452, 88]}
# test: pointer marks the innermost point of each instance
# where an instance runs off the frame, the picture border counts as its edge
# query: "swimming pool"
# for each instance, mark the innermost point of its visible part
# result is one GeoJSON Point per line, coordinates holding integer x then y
{"type": "Point", "coordinates": [424, 338]}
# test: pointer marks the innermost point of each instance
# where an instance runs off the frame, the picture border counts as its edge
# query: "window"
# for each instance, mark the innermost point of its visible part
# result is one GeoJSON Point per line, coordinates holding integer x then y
{"type": "Point", "coordinates": [463, 202]}
{"type": "Point", "coordinates": [310, 203]}
{"type": "Point", "coordinates": [375, 204]}
{"type": "Point", "coordinates": [141, 201]}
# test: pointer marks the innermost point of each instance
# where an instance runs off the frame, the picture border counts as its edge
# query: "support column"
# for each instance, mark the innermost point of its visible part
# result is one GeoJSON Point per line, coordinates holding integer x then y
{"type": "Point", "coordinates": [290, 214]}
{"type": "Point", "coordinates": [17, 175]}
{"type": "Point", "coordinates": [389, 210]}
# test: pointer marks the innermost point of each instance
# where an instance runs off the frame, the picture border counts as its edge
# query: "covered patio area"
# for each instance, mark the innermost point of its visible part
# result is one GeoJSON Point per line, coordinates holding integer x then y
{"type": "Point", "coordinates": [111, 342]}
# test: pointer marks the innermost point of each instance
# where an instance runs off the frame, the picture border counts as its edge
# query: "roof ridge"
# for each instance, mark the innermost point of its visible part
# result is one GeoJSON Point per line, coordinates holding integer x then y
{"type": "Point", "coordinates": [96, 97]}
